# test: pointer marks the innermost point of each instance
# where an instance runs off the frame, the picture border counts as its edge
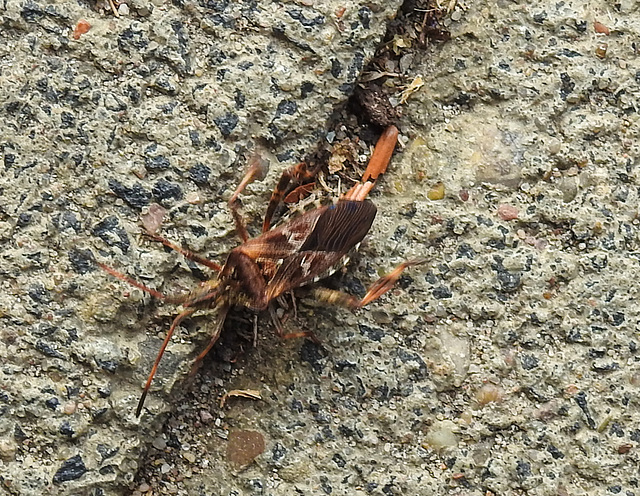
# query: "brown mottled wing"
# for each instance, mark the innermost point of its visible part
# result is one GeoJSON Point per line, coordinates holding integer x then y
{"type": "Point", "coordinates": [337, 230]}
{"type": "Point", "coordinates": [341, 226]}
{"type": "Point", "coordinates": [282, 242]}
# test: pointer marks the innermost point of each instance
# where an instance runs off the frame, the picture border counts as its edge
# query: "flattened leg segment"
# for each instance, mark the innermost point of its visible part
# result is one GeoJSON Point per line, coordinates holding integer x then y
{"type": "Point", "coordinates": [377, 165]}
{"type": "Point", "coordinates": [377, 289]}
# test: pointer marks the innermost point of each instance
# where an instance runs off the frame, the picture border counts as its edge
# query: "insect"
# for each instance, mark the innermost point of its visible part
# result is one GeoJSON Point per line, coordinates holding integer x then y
{"type": "Point", "coordinates": [283, 258]}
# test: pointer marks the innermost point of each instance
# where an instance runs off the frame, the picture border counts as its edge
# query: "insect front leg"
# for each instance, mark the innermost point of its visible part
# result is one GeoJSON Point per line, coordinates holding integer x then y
{"type": "Point", "coordinates": [257, 169]}
{"type": "Point", "coordinates": [299, 174]}
{"type": "Point", "coordinates": [377, 165]}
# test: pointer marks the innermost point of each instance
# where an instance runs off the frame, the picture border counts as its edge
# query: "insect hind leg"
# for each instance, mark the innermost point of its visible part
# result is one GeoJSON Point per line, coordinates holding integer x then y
{"type": "Point", "coordinates": [377, 289]}
{"type": "Point", "coordinates": [377, 165]}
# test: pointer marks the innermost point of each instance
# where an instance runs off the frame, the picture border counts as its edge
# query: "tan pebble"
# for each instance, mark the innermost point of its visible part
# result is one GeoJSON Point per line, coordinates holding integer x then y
{"type": "Point", "coordinates": [69, 408]}
{"type": "Point", "coordinates": [436, 192]}
{"type": "Point", "coordinates": [488, 393]}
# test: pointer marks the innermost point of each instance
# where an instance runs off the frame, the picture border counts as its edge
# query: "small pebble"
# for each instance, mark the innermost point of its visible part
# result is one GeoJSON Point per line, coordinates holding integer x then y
{"type": "Point", "coordinates": [601, 50]}
{"type": "Point", "coordinates": [165, 468]}
{"type": "Point", "coordinates": [507, 212]}
{"type": "Point", "coordinates": [601, 28]}
{"type": "Point", "coordinates": [123, 9]}
{"type": "Point", "coordinates": [69, 408]}
{"type": "Point", "coordinates": [159, 443]}
{"type": "Point", "coordinates": [436, 192]}
{"type": "Point", "coordinates": [144, 487]}
{"type": "Point", "coordinates": [81, 28]}
{"type": "Point", "coordinates": [205, 416]}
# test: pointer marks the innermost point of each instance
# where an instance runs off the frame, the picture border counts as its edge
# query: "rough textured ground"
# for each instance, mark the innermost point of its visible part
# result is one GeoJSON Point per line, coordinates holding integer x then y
{"type": "Point", "coordinates": [507, 365]}
{"type": "Point", "coordinates": [162, 104]}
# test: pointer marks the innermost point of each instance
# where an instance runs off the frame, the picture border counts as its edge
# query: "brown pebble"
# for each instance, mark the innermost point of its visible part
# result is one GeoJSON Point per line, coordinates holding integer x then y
{"type": "Point", "coordinates": [601, 50]}
{"type": "Point", "coordinates": [601, 28]}
{"type": "Point", "coordinates": [507, 212]}
{"type": "Point", "coordinates": [81, 28]}
{"type": "Point", "coordinates": [153, 219]}
{"type": "Point", "coordinates": [244, 447]}
{"type": "Point", "coordinates": [623, 449]}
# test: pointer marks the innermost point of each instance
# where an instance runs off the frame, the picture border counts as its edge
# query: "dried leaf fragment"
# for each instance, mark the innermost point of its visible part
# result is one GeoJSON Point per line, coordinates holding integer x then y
{"type": "Point", "coordinates": [414, 86]}
{"type": "Point", "coordinates": [242, 393]}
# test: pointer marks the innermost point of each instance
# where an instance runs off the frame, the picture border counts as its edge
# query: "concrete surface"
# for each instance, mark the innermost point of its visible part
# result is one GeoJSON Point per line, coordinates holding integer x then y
{"type": "Point", "coordinates": [507, 365]}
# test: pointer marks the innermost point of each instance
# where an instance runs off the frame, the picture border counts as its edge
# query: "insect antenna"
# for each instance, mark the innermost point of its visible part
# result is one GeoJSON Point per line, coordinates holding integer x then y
{"type": "Point", "coordinates": [139, 285]}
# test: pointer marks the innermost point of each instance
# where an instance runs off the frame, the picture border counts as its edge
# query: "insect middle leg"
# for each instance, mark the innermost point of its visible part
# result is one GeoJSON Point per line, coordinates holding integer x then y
{"type": "Point", "coordinates": [169, 298]}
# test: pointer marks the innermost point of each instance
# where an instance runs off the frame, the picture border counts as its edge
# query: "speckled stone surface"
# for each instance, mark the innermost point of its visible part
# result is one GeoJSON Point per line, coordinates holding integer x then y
{"type": "Point", "coordinates": [507, 366]}
{"type": "Point", "coordinates": [161, 104]}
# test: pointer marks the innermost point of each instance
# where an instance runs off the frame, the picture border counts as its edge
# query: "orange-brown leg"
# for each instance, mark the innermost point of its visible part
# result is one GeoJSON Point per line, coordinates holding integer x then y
{"type": "Point", "coordinates": [377, 289]}
{"type": "Point", "coordinates": [377, 165]}
{"type": "Point", "coordinates": [186, 253]}
{"type": "Point", "coordinates": [289, 335]}
{"type": "Point", "coordinates": [296, 174]}
{"type": "Point", "coordinates": [257, 168]}
{"type": "Point", "coordinates": [220, 318]}
{"type": "Point", "coordinates": [174, 324]}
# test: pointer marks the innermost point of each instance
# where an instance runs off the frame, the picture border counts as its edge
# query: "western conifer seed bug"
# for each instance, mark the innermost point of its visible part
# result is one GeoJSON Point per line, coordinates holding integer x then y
{"type": "Point", "coordinates": [296, 253]}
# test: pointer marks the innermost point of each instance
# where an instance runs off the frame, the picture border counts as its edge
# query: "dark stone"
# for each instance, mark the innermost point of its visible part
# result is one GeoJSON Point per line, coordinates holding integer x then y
{"type": "Point", "coordinates": [46, 349]}
{"type": "Point", "coordinates": [555, 452]}
{"type": "Point", "coordinates": [66, 429]}
{"type": "Point", "coordinates": [306, 89]}
{"type": "Point", "coordinates": [226, 123]}
{"type": "Point", "coordinates": [106, 452]}
{"type": "Point", "coordinates": [523, 469]}
{"type": "Point", "coordinates": [164, 190]}
{"type": "Point", "coordinates": [441, 292]}
{"type": "Point", "coordinates": [71, 469]}
{"type": "Point", "coordinates": [81, 261]}
{"type": "Point", "coordinates": [286, 107]}
{"type": "Point", "coordinates": [135, 196]}
{"type": "Point", "coordinates": [364, 15]}
{"type": "Point", "coordinates": [156, 163]}
{"type": "Point", "coordinates": [566, 85]}
{"type": "Point", "coordinates": [313, 354]}
{"type": "Point", "coordinates": [339, 460]}
{"type": "Point", "coordinates": [108, 365]}
{"type": "Point", "coordinates": [23, 219]}
{"type": "Point", "coordinates": [278, 452]}
{"type": "Point", "coordinates": [374, 334]}
{"type": "Point", "coordinates": [39, 294]}
{"type": "Point", "coordinates": [297, 15]}
{"type": "Point", "coordinates": [52, 403]}
{"type": "Point", "coordinates": [529, 362]}
{"type": "Point", "coordinates": [336, 68]}
{"type": "Point", "coordinates": [199, 174]}
{"type": "Point", "coordinates": [109, 229]}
